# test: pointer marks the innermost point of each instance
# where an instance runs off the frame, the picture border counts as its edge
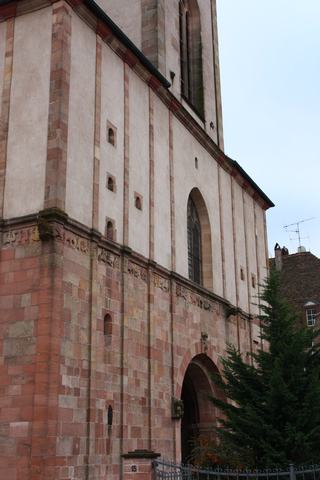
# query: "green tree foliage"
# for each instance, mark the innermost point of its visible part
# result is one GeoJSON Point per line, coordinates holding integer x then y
{"type": "Point", "coordinates": [272, 413]}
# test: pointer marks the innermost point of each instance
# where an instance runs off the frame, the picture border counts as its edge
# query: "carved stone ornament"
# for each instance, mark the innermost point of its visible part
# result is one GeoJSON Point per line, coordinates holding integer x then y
{"type": "Point", "coordinates": [177, 408]}
{"type": "Point", "coordinates": [204, 342]}
{"type": "Point", "coordinates": [22, 236]}
{"type": "Point", "coordinates": [191, 298]}
{"type": "Point", "coordinates": [160, 282]}
{"type": "Point", "coordinates": [108, 258]}
{"type": "Point", "coordinates": [137, 271]}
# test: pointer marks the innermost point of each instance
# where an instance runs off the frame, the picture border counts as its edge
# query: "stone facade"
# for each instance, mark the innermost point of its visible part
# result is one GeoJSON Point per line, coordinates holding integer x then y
{"type": "Point", "coordinates": [97, 331]}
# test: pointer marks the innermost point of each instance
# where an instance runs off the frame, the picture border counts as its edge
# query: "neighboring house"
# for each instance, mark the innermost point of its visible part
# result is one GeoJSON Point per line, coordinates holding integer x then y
{"type": "Point", "coordinates": [300, 282]}
{"type": "Point", "coordinates": [132, 246]}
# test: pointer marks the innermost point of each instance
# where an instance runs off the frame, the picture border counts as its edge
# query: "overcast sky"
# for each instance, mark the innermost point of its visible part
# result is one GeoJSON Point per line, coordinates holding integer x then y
{"type": "Point", "coordinates": [270, 76]}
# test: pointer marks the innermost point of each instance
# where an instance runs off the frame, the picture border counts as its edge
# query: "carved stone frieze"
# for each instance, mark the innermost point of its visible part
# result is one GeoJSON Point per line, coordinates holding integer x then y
{"type": "Point", "coordinates": [108, 258]}
{"type": "Point", "coordinates": [204, 342]}
{"type": "Point", "coordinates": [23, 236]}
{"type": "Point", "coordinates": [160, 282]}
{"type": "Point", "coordinates": [191, 298]}
{"type": "Point", "coordinates": [136, 271]}
{"type": "Point", "coordinates": [70, 239]}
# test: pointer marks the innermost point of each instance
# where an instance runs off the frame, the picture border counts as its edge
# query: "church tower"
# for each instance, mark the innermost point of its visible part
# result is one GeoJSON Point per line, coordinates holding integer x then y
{"type": "Point", "coordinates": [132, 247]}
{"type": "Point", "coordinates": [180, 38]}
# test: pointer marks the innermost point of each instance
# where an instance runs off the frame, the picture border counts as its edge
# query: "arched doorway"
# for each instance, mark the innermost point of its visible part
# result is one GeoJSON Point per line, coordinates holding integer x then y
{"type": "Point", "coordinates": [199, 418]}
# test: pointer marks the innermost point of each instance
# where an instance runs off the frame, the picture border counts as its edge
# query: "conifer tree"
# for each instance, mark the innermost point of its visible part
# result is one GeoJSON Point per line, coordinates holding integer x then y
{"type": "Point", "coordinates": [271, 416]}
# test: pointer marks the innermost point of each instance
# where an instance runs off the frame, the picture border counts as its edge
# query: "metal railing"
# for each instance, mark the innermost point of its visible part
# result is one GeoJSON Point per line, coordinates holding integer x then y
{"type": "Point", "coordinates": [164, 470]}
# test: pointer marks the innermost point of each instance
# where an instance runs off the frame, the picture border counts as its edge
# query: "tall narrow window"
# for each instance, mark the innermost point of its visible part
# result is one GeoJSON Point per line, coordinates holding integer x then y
{"type": "Point", "coordinates": [194, 243]}
{"type": "Point", "coordinates": [311, 317]}
{"type": "Point", "coordinates": [191, 55]}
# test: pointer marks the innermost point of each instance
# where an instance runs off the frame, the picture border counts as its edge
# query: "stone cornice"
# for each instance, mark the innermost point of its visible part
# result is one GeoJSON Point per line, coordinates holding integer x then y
{"type": "Point", "coordinates": [97, 19]}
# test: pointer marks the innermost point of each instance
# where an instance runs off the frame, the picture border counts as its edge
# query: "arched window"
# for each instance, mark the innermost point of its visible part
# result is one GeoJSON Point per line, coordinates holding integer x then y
{"type": "Point", "coordinates": [110, 233]}
{"type": "Point", "coordinates": [191, 54]}
{"type": "Point", "coordinates": [194, 243]}
{"type": "Point", "coordinates": [110, 183]}
{"type": "Point", "coordinates": [111, 136]}
{"type": "Point", "coordinates": [200, 266]}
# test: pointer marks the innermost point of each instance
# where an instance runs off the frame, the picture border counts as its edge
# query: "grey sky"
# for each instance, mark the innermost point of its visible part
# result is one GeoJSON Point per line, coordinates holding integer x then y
{"type": "Point", "coordinates": [270, 75]}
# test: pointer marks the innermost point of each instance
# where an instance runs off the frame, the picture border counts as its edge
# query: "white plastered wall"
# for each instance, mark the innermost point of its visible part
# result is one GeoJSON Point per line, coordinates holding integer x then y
{"type": "Point", "coordinates": [127, 15]}
{"type": "Point", "coordinates": [111, 157]}
{"type": "Point", "coordinates": [162, 220]}
{"type": "Point", "coordinates": [205, 178]}
{"type": "Point", "coordinates": [81, 122]}
{"type": "Point", "coordinates": [138, 164]}
{"type": "Point", "coordinates": [226, 197]}
{"type": "Point", "coordinates": [3, 29]}
{"type": "Point", "coordinates": [240, 246]}
{"type": "Point", "coordinates": [28, 123]}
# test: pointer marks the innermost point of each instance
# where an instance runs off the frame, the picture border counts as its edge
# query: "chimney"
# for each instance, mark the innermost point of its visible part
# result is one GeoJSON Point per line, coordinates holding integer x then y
{"type": "Point", "coordinates": [278, 257]}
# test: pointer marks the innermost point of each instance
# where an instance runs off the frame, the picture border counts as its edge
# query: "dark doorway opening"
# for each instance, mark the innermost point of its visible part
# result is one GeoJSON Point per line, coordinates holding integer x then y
{"type": "Point", "coordinates": [199, 418]}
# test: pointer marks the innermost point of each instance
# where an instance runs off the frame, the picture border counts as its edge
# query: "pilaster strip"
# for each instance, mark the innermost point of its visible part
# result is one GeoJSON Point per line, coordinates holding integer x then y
{"type": "Point", "coordinates": [150, 301]}
{"type": "Point", "coordinates": [47, 377]}
{"type": "Point", "coordinates": [266, 240]}
{"type": "Point", "coordinates": [259, 279]}
{"type": "Point", "coordinates": [256, 246]}
{"type": "Point", "coordinates": [151, 175]}
{"type": "Point", "coordinates": [236, 266]}
{"type": "Point", "coordinates": [97, 136]}
{"type": "Point", "coordinates": [221, 234]}
{"type": "Point", "coordinates": [126, 157]}
{"type": "Point", "coordinates": [92, 420]}
{"type": "Point", "coordinates": [234, 233]}
{"type": "Point", "coordinates": [56, 167]}
{"type": "Point", "coordinates": [172, 201]}
{"type": "Point", "coordinates": [5, 107]}
{"type": "Point", "coordinates": [247, 264]}
{"type": "Point", "coordinates": [216, 72]}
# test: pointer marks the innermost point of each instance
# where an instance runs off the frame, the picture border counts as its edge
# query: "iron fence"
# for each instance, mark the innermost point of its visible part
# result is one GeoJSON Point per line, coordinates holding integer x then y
{"type": "Point", "coordinates": [164, 470]}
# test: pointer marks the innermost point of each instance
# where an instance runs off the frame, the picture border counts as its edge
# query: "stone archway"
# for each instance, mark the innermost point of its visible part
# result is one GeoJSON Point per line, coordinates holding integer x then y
{"type": "Point", "coordinates": [200, 416]}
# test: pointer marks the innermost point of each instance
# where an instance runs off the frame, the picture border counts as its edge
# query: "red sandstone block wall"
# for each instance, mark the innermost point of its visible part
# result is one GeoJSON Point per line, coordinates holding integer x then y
{"type": "Point", "coordinates": [20, 272]}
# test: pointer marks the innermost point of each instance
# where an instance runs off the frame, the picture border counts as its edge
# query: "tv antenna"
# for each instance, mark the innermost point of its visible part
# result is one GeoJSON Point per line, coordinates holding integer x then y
{"type": "Point", "coordinates": [297, 228]}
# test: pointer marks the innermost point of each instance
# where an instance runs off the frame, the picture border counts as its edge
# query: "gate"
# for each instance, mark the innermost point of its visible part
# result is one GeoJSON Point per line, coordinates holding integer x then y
{"type": "Point", "coordinates": [164, 470]}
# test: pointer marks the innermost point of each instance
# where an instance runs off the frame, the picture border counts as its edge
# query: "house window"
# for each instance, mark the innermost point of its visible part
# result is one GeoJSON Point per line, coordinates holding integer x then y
{"type": "Point", "coordinates": [194, 243]}
{"type": "Point", "coordinates": [311, 317]}
{"type": "Point", "coordinates": [191, 54]}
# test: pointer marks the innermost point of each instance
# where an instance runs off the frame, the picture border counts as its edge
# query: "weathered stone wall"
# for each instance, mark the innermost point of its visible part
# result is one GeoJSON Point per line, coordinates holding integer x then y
{"type": "Point", "coordinates": [61, 372]}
